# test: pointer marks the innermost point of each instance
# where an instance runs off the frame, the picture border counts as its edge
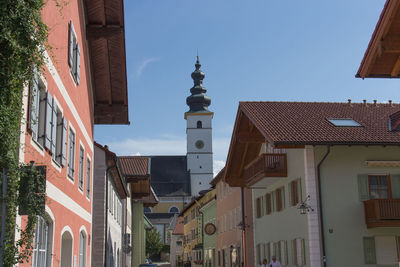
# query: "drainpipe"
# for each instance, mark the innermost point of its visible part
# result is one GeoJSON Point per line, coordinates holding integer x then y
{"type": "Point", "coordinates": [106, 219]}
{"type": "Point", "coordinates": [321, 220]}
{"type": "Point", "coordinates": [244, 228]}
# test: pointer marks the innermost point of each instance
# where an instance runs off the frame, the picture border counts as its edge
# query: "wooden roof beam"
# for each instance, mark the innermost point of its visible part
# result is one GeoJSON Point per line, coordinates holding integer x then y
{"type": "Point", "coordinates": [396, 68]}
{"type": "Point", "coordinates": [391, 44]}
{"type": "Point", "coordinates": [95, 31]}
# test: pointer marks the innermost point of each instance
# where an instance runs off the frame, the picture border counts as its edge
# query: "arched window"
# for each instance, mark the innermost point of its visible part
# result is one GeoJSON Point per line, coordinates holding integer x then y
{"type": "Point", "coordinates": [42, 245]}
{"type": "Point", "coordinates": [173, 209]}
{"type": "Point", "coordinates": [147, 210]}
{"type": "Point", "coordinates": [82, 249]}
{"type": "Point", "coordinates": [199, 124]}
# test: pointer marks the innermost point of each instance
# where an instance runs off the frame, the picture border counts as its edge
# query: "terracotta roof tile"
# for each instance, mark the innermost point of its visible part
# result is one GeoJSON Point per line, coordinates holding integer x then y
{"type": "Point", "coordinates": [306, 122]}
{"type": "Point", "coordinates": [134, 165]}
{"type": "Point", "coordinates": [178, 227]}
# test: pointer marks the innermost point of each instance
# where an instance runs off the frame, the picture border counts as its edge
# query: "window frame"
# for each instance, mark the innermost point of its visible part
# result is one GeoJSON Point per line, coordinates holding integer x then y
{"type": "Point", "coordinates": [388, 185]}
{"type": "Point", "coordinates": [81, 167]}
{"type": "Point", "coordinates": [71, 154]}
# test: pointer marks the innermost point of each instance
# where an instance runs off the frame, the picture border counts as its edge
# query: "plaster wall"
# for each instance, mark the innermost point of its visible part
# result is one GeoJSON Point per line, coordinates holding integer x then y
{"type": "Point", "coordinates": [70, 207]}
{"type": "Point", "coordinates": [287, 224]}
{"type": "Point", "coordinates": [344, 217]}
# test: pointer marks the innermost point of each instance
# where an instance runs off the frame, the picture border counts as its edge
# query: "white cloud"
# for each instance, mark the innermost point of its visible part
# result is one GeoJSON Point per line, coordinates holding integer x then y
{"type": "Point", "coordinates": [218, 165]}
{"type": "Point", "coordinates": [144, 64]}
{"type": "Point", "coordinates": [166, 145]}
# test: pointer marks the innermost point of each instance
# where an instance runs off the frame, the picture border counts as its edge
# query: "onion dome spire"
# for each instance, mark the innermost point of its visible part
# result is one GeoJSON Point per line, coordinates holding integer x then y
{"type": "Point", "coordinates": [198, 101]}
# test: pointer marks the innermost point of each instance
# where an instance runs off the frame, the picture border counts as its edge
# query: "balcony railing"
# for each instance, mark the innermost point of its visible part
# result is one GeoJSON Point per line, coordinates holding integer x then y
{"type": "Point", "coordinates": [382, 213]}
{"type": "Point", "coordinates": [266, 165]}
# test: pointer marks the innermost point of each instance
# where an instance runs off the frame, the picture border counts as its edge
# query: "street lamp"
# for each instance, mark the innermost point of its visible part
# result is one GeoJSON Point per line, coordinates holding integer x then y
{"type": "Point", "coordinates": [304, 207]}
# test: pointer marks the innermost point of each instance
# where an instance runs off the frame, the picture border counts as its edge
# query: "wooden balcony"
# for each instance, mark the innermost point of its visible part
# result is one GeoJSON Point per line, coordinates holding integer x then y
{"type": "Point", "coordinates": [265, 165]}
{"type": "Point", "coordinates": [382, 213]}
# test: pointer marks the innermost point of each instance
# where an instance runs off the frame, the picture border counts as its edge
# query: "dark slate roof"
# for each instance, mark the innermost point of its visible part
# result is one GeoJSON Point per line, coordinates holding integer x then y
{"type": "Point", "coordinates": [307, 123]}
{"type": "Point", "coordinates": [159, 215]}
{"type": "Point", "coordinates": [169, 176]}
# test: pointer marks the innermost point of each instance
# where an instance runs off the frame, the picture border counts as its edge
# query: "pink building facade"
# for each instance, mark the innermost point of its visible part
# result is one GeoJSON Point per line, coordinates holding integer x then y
{"type": "Point", "coordinates": [230, 241]}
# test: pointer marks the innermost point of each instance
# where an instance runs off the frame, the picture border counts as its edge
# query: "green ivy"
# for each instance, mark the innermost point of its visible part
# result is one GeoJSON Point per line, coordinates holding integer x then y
{"type": "Point", "coordinates": [23, 39]}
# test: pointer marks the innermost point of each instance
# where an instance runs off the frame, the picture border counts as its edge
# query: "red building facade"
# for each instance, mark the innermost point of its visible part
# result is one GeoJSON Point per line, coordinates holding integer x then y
{"type": "Point", "coordinates": [61, 107]}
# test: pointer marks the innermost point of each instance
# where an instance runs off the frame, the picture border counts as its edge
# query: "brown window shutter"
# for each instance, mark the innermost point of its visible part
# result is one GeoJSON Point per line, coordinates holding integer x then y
{"type": "Point", "coordinates": [258, 207]}
{"type": "Point", "coordinates": [279, 199]}
{"type": "Point", "coordinates": [268, 200]}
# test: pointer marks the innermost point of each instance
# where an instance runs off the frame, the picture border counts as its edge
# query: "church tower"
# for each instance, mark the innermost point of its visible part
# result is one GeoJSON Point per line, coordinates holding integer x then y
{"type": "Point", "coordinates": [199, 134]}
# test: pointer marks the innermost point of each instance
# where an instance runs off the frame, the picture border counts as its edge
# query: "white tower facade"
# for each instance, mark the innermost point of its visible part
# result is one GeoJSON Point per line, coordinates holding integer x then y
{"type": "Point", "coordinates": [199, 151]}
{"type": "Point", "coordinates": [199, 134]}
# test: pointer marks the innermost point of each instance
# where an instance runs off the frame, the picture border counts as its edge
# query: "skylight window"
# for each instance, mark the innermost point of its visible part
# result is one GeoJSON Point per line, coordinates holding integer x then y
{"type": "Point", "coordinates": [344, 122]}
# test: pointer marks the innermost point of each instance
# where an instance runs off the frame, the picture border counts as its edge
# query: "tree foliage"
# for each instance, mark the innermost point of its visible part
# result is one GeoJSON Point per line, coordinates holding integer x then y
{"type": "Point", "coordinates": [153, 242]}
{"type": "Point", "coordinates": [23, 39]}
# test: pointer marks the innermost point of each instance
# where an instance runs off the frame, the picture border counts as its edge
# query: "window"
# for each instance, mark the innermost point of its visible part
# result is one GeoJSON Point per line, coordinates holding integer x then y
{"type": "Point", "coordinates": [344, 122]}
{"type": "Point", "coordinates": [378, 186]}
{"type": "Point", "coordinates": [148, 210]}
{"type": "Point", "coordinates": [199, 124]}
{"type": "Point", "coordinates": [71, 155]}
{"type": "Point", "coordinates": [283, 252]}
{"type": "Point", "coordinates": [74, 54]}
{"type": "Point", "coordinates": [40, 245]}
{"type": "Point", "coordinates": [280, 198]}
{"type": "Point", "coordinates": [88, 178]}
{"type": "Point", "coordinates": [44, 120]}
{"type": "Point", "coordinates": [192, 214]}
{"type": "Point", "coordinates": [61, 139]}
{"type": "Point", "coordinates": [80, 173]}
{"type": "Point", "coordinates": [258, 254]}
{"type": "Point", "coordinates": [258, 207]}
{"type": "Point", "coordinates": [173, 209]}
{"type": "Point", "coordinates": [295, 192]}
{"type": "Point", "coordinates": [268, 203]}
{"type": "Point", "coordinates": [299, 254]}
{"type": "Point", "coordinates": [82, 249]}
{"type": "Point", "coordinates": [369, 250]}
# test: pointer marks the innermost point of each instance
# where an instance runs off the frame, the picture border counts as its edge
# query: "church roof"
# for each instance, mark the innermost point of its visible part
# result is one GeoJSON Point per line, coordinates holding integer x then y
{"type": "Point", "coordinates": [169, 176]}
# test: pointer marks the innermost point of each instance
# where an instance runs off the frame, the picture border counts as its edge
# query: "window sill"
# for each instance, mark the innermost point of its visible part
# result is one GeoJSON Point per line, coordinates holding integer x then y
{"type": "Point", "coordinates": [56, 165]}
{"type": "Point", "coordinates": [70, 178]}
{"type": "Point", "coordinates": [37, 146]}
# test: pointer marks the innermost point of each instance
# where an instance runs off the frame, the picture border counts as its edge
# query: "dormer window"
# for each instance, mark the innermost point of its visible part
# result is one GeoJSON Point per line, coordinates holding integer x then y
{"type": "Point", "coordinates": [199, 124]}
{"type": "Point", "coordinates": [74, 54]}
{"type": "Point", "coordinates": [344, 122]}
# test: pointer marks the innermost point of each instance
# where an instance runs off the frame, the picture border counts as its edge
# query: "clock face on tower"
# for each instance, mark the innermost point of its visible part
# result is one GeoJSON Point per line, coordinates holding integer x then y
{"type": "Point", "coordinates": [199, 144]}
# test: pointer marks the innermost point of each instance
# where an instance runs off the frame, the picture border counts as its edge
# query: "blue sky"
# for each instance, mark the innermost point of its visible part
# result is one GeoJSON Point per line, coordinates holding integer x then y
{"type": "Point", "coordinates": [259, 50]}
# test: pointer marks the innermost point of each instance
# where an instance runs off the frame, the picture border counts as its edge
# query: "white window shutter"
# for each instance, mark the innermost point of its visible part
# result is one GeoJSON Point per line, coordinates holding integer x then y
{"type": "Point", "coordinates": [34, 106]}
{"type": "Point", "coordinates": [54, 129]}
{"type": "Point", "coordinates": [49, 117]}
{"type": "Point", "coordinates": [64, 143]}
{"type": "Point", "coordinates": [71, 44]}
{"type": "Point", "coordinates": [78, 64]}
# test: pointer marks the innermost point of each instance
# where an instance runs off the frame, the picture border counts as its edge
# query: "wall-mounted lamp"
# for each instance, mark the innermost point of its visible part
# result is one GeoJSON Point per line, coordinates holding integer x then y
{"type": "Point", "coordinates": [304, 207]}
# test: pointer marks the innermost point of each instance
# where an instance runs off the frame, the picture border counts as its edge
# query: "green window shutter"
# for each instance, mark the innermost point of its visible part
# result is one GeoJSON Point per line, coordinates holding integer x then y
{"type": "Point", "coordinates": [273, 201]}
{"type": "Point", "coordinates": [369, 250]}
{"type": "Point", "coordinates": [363, 191]}
{"type": "Point", "coordinates": [294, 252]}
{"type": "Point", "coordinates": [283, 198]}
{"type": "Point", "coordinates": [395, 179]}
{"type": "Point", "coordinates": [303, 252]}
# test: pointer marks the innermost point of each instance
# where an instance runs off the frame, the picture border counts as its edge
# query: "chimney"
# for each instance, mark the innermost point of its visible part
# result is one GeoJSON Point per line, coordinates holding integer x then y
{"type": "Point", "coordinates": [390, 102]}
{"type": "Point", "coordinates": [349, 101]}
{"type": "Point", "coordinates": [365, 102]}
{"type": "Point", "coordinates": [375, 102]}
